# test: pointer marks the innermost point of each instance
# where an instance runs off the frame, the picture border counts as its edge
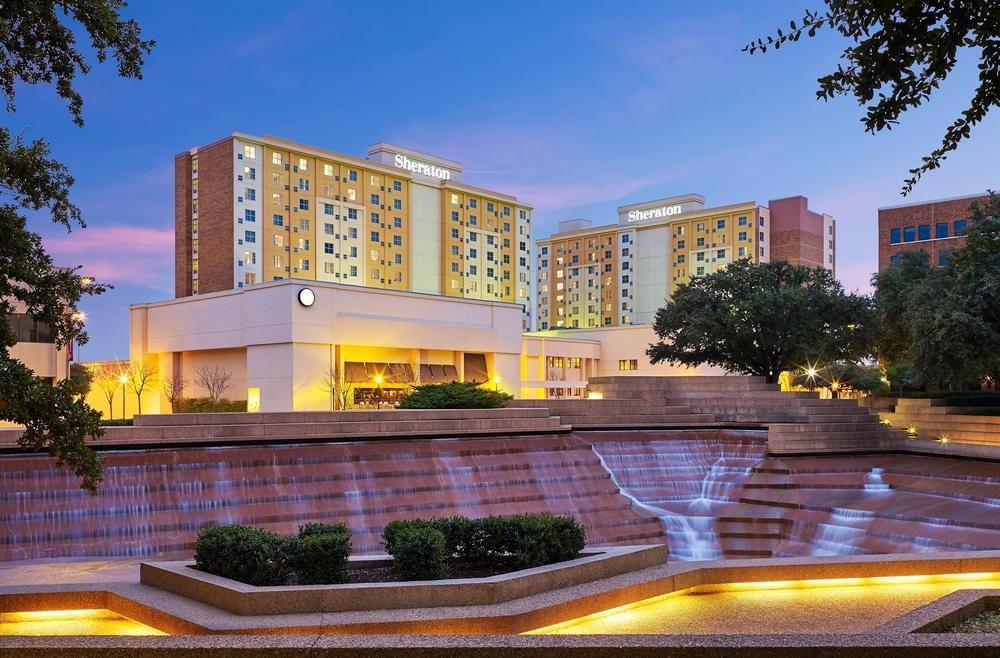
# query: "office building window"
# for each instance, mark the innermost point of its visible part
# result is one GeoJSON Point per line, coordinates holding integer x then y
{"type": "Point", "coordinates": [924, 232]}
{"type": "Point", "coordinates": [960, 225]}
{"type": "Point", "coordinates": [894, 236]}
{"type": "Point", "coordinates": [909, 234]}
{"type": "Point", "coordinates": [894, 259]}
{"type": "Point", "coordinates": [944, 257]}
{"type": "Point", "coordinates": [941, 230]}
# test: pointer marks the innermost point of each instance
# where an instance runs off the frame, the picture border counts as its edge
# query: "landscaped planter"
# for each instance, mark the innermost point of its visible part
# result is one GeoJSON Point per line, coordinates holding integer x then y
{"type": "Point", "coordinates": [181, 578]}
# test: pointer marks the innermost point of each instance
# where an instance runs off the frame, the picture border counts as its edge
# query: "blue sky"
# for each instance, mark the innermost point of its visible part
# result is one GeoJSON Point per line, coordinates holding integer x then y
{"type": "Point", "coordinates": [576, 107]}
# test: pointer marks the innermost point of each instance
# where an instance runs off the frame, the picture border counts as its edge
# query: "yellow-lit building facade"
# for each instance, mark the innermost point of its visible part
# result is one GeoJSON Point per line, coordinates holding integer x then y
{"type": "Point", "coordinates": [258, 209]}
{"type": "Point", "coordinates": [620, 274]}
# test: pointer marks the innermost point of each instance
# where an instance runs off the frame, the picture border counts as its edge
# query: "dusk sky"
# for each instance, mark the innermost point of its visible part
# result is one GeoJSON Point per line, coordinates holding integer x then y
{"type": "Point", "coordinates": [575, 107]}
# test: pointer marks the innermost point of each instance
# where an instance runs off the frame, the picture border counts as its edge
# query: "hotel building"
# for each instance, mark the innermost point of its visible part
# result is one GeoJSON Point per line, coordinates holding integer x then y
{"type": "Point", "coordinates": [620, 274]}
{"type": "Point", "coordinates": [257, 209]}
{"type": "Point", "coordinates": [936, 227]}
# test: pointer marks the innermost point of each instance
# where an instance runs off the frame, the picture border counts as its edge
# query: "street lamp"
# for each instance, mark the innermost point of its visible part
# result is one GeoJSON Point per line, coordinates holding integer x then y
{"type": "Point", "coordinates": [123, 379]}
{"type": "Point", "coordinates": [496, 383]}
{"type": "Point", "coordinates": [378, 397]}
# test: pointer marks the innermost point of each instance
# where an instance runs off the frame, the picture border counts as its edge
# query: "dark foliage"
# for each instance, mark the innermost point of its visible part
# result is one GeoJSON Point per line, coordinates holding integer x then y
{"type": "Point", "coordinates": [248, 555]}
{"type": "Point", "coordinates": [453, 395]}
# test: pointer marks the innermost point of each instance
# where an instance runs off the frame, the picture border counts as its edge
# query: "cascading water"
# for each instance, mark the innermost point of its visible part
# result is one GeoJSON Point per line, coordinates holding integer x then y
{"type": "Point", "coordinates": [874, 481]}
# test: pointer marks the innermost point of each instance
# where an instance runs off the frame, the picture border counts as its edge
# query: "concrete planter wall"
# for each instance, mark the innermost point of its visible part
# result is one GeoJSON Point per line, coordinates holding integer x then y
{"type": "Point", "coordinates": [181, 578]}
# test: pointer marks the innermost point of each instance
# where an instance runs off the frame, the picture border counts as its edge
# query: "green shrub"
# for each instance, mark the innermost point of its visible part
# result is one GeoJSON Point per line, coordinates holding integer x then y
{"type": "Point", "coordinates": [318, 555]}
{"type": "Point", "coordinates": [117, 422]}
{"type": "Point", "coordinates": [249, 555]}
{"type": "Point", "coordinates": [521, 541]}
{"type": "Point", "coordinates": [453, 395]}
{"type": "Point", "coordinates": [418, 553]}
{"type": "Point", "coordinates": [204, 406]}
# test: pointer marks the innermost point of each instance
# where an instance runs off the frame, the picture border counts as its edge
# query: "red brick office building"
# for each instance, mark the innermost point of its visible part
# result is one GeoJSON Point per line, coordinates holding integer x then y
{"type": "Point", "coordinates": [937, 227]}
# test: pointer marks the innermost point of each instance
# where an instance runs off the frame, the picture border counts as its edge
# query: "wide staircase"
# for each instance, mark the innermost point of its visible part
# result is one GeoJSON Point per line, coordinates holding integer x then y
{"type": "Point", "coordinates": [932, 420]}
{"type": "Point", "coordinates": [797, 422]}
{"type": "Point", "coordinates": [153, 502]}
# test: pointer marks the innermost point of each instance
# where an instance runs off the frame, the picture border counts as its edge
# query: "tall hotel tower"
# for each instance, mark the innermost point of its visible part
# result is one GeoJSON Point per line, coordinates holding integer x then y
{"type": "Point", "coordinates": [620, 274]}
{"type": "Point", "coordinates": [253, 209]}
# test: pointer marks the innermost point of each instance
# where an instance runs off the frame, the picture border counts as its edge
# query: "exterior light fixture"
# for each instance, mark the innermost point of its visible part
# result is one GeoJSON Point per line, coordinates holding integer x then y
{"type": "Point", "coordinates": [307, 297]}
{"type": "Point", "coordinates": [912, 431]}
{"type": "Point", "coordinates": [944, 439]}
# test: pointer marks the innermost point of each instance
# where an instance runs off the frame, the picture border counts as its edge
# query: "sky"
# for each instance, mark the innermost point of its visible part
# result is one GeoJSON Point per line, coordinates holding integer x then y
{"type": "Point", "coordinates": [575, 107]}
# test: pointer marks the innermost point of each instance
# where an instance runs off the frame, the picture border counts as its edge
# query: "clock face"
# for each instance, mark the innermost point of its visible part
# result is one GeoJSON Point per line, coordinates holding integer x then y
{"type": "Point", "coordinates": [306, 297]}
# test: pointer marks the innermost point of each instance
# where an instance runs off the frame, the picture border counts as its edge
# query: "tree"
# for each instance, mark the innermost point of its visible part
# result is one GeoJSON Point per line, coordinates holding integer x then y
{"type": "Point", "coordinates": [843, 376]}
{"type": "Point", "coordinates": [173, 389]}
{"type": "Point", "coordinates": [214, 380]}
{"type": "Point", "coordinates": [37, 46]}
{"type": "Point", "coordinates": [762, 319]}
{"type": "Point", "coordinates": [902, 52]}
{"type": "Point", "coordinates": [141, 375]}
{"type": "Point", "coordinates": [80, 379]}
{"type": "Point", "coordinates": [340, 391]}
{"type": "Point", "coordinates": [108, 379]}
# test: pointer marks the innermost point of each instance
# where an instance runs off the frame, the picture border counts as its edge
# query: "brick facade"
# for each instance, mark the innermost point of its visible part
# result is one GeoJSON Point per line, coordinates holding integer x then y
{"type": "Point", "coordinates": [182, 225]}
{"type": "Point", "coordinates": [215, 217]}
{"type": "Point", "coordinates": [930, 214]}
{"type": "Point", "coordinates": [798, 247]}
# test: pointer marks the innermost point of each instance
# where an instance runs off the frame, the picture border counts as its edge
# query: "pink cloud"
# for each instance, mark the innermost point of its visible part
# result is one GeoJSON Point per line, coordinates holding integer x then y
{"type": "Point", "coordinates": [118, 254]}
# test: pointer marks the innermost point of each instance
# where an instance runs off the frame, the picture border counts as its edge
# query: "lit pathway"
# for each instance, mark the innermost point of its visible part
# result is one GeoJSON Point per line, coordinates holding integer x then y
{"type": "Point", "coordinates": [816, 610]}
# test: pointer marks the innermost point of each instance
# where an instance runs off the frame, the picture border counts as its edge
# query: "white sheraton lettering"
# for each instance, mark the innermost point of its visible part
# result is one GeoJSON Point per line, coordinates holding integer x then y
{"type": "Point", "coordinates": [424, 168]}
{"type": "Point", "coordinates": [651, 213]}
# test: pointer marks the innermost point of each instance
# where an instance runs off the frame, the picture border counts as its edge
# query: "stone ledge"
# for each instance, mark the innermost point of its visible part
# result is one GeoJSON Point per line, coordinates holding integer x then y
{"type": "Point", "coordinates": [239, 598]}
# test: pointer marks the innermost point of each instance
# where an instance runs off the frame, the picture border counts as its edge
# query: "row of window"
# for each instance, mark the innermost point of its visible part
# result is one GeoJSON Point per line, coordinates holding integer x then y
{"type": "Point", "coordinates": [944, 257]}
{"type": "Point", "coordinates": [923, 231]}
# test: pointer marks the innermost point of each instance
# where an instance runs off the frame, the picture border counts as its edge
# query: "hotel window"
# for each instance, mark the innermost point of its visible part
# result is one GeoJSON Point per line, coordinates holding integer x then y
{"type": "Point", "coordinates": [250, 152]}
{"type": "Point", "coordinates": [454, 215]}
{"type": "Point", "coordinates": [489, 272]}
{"type": "Point", "coordinates": [250, 194]}
{"type": "Point", "coordinates": [303, 244]}
{"type": "Point", "coordinates": [375, 236]}
{"type": "Point", "coordinates": [328, 209]}
{"type": "Point", "coordinates": [352, 233]}
{"type": "Point", "coordinates": [742, 221]}
{"type": "Point", "coordinates": [680, 258]}
{"type": "Point", "coordinates": [277, 260]}
{"type": "Point", "coordinates": [352, 175]}
{"type": "Point", "coordinates": [352, 213]}
{"type": "Point", "coordinates": [700, 242]}
{"type": "Point", "coordinates": [761, 236]}
{"type": "Point", "coordinates": [489, 206]}
{"type": "Point", "coordinates": [354, 252]}
{"type": "Point", "coordinates": [680, 244]}
{"type": "Point", "coordinates": [742, 251]}
{"type": "Point", "coordinates": [276, 158]}
{"type": "Point", "coordinates": [303, 224]}
{"type": "Point", "coordinates": [374, 181]}
{"type": "Point", "coordinates": [375, 218]}
{"type": "Point", "coordinates": [328, 229]}
{"type": "Point", "coordinates": [742, 235]}
{"type": "Point", "coordinates": [720, 224]}
{"type": "Point", "coordinates": [545, 251]}
{"type": "Point", "coordinates": [249, 278]}
{"type": "Point", "coordinates": [909, 234]}
{"type": "Point", "coordinates": [328, 170]}
{"type": "Point", "coordinates": [721, 253]}
{"type": "Point", "coordinates": [397, 222]}
{"type": "Point", "coordinates": [625, 278]}
{"type": "Point", "coordinates": [397, 204]}
{"type": "Point", "coordinates": [960, 225]}
{"type": "Point", "coordinates": [941, 230]}
{"type": "Point", "coordinates": [397, 186]}
{"type": "Point", "coordinates": [303, 204]}
{"type": "Point", "coordinates": [761, 221]}
{"type": "Point", "coordinates": [329, 268]}
{"type": "Point", "coordinates": [454, 199]}
{"type": "Point", "coordinates": [250, 257]}
{"type": "Point", "coordinates": [473, 253]}
{"type": "Point", "coordinates": [304, 265]}
{"type": "Point", "coordinates": [454, 267]}
{"type": "Point", "coordinates": [397, 241]}
{"type": "Point", "coordinates": [303, 164]}
{"type": "Point", "coordinates": [279, 241]}
{"type": "Point", "coordinates": [354, 270]}
{"type": "Point", "coordinates": [924, 232]}
{"type": "Point", "coordinates": [249, 236]}
{"type": "Point", "coordinates": [374, 200]}
{"type": "Point", "coordinates": [327, 247]}
{"type": "Point", "coordinates": [894, 236]}
{"type": "Point", "coordinates": [472, 270]}
{"type": "Point", "coordinates": [454, 233]}
{"type": "Point", "coordinates": [506, 212]}
{"type": "Point", "coordinates": [250, 173]}
{"type": "Point", "coordinates": [700, 256]}
{"type": "Point", "coordinates": [304, 184]}
{"type": "Point", "coordinates": [375, 273]}
{"type": "Point", "coordinates": [454, 250]}
{"type": "Point", "coordinates": [352, 195]}
{"type": "Point", "coordinates": [472, 203]}
{"type": "Point", "coordinates": [250, 215]}
{"type": "Point", "coordinates": [700, 271]}
{"type": "Point", "coordinates": [626, 238]}
{"type": "Point", "coordinates": [275, 199]}
{"type": "Point", "coordinates": [472, 220]}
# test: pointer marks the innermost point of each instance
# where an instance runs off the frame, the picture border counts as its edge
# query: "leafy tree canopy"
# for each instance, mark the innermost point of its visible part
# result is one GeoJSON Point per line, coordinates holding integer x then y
{"type": "Point", "coordinates": [38, 44]}
{"type": "Point", "coordinates": [762, 319]}
{"type": "Point", "coordinates": [902, 51]}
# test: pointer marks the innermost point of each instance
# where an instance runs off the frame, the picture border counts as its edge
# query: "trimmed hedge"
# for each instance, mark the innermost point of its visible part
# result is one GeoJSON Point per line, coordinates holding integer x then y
{"type": "Point", "coordinates": [204, 406]}
{"type": "Point", "coordinates": [453, 395]}
{"type": "Point", "coordinates": [520, 541]}
{"type": "Point", "coordinates": [316, 556]}
{"type": "Point", "coordinates": [419, 553]}
{"type": "Point", "coordinates": [249, 555]}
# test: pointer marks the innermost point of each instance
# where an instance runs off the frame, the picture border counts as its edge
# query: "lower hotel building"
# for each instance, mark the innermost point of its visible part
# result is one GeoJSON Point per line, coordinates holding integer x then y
{"type": "Point", "coordinates": [620, 274]}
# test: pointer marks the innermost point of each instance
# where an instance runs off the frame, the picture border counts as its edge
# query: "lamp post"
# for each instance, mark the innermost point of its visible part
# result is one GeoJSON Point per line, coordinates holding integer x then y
{"type": "Point", "coordinates": [123, 379]}
{"type": "Point", "coordinates": [378, 389]}
{"type": "Point", "coordinates": [496, 383]}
